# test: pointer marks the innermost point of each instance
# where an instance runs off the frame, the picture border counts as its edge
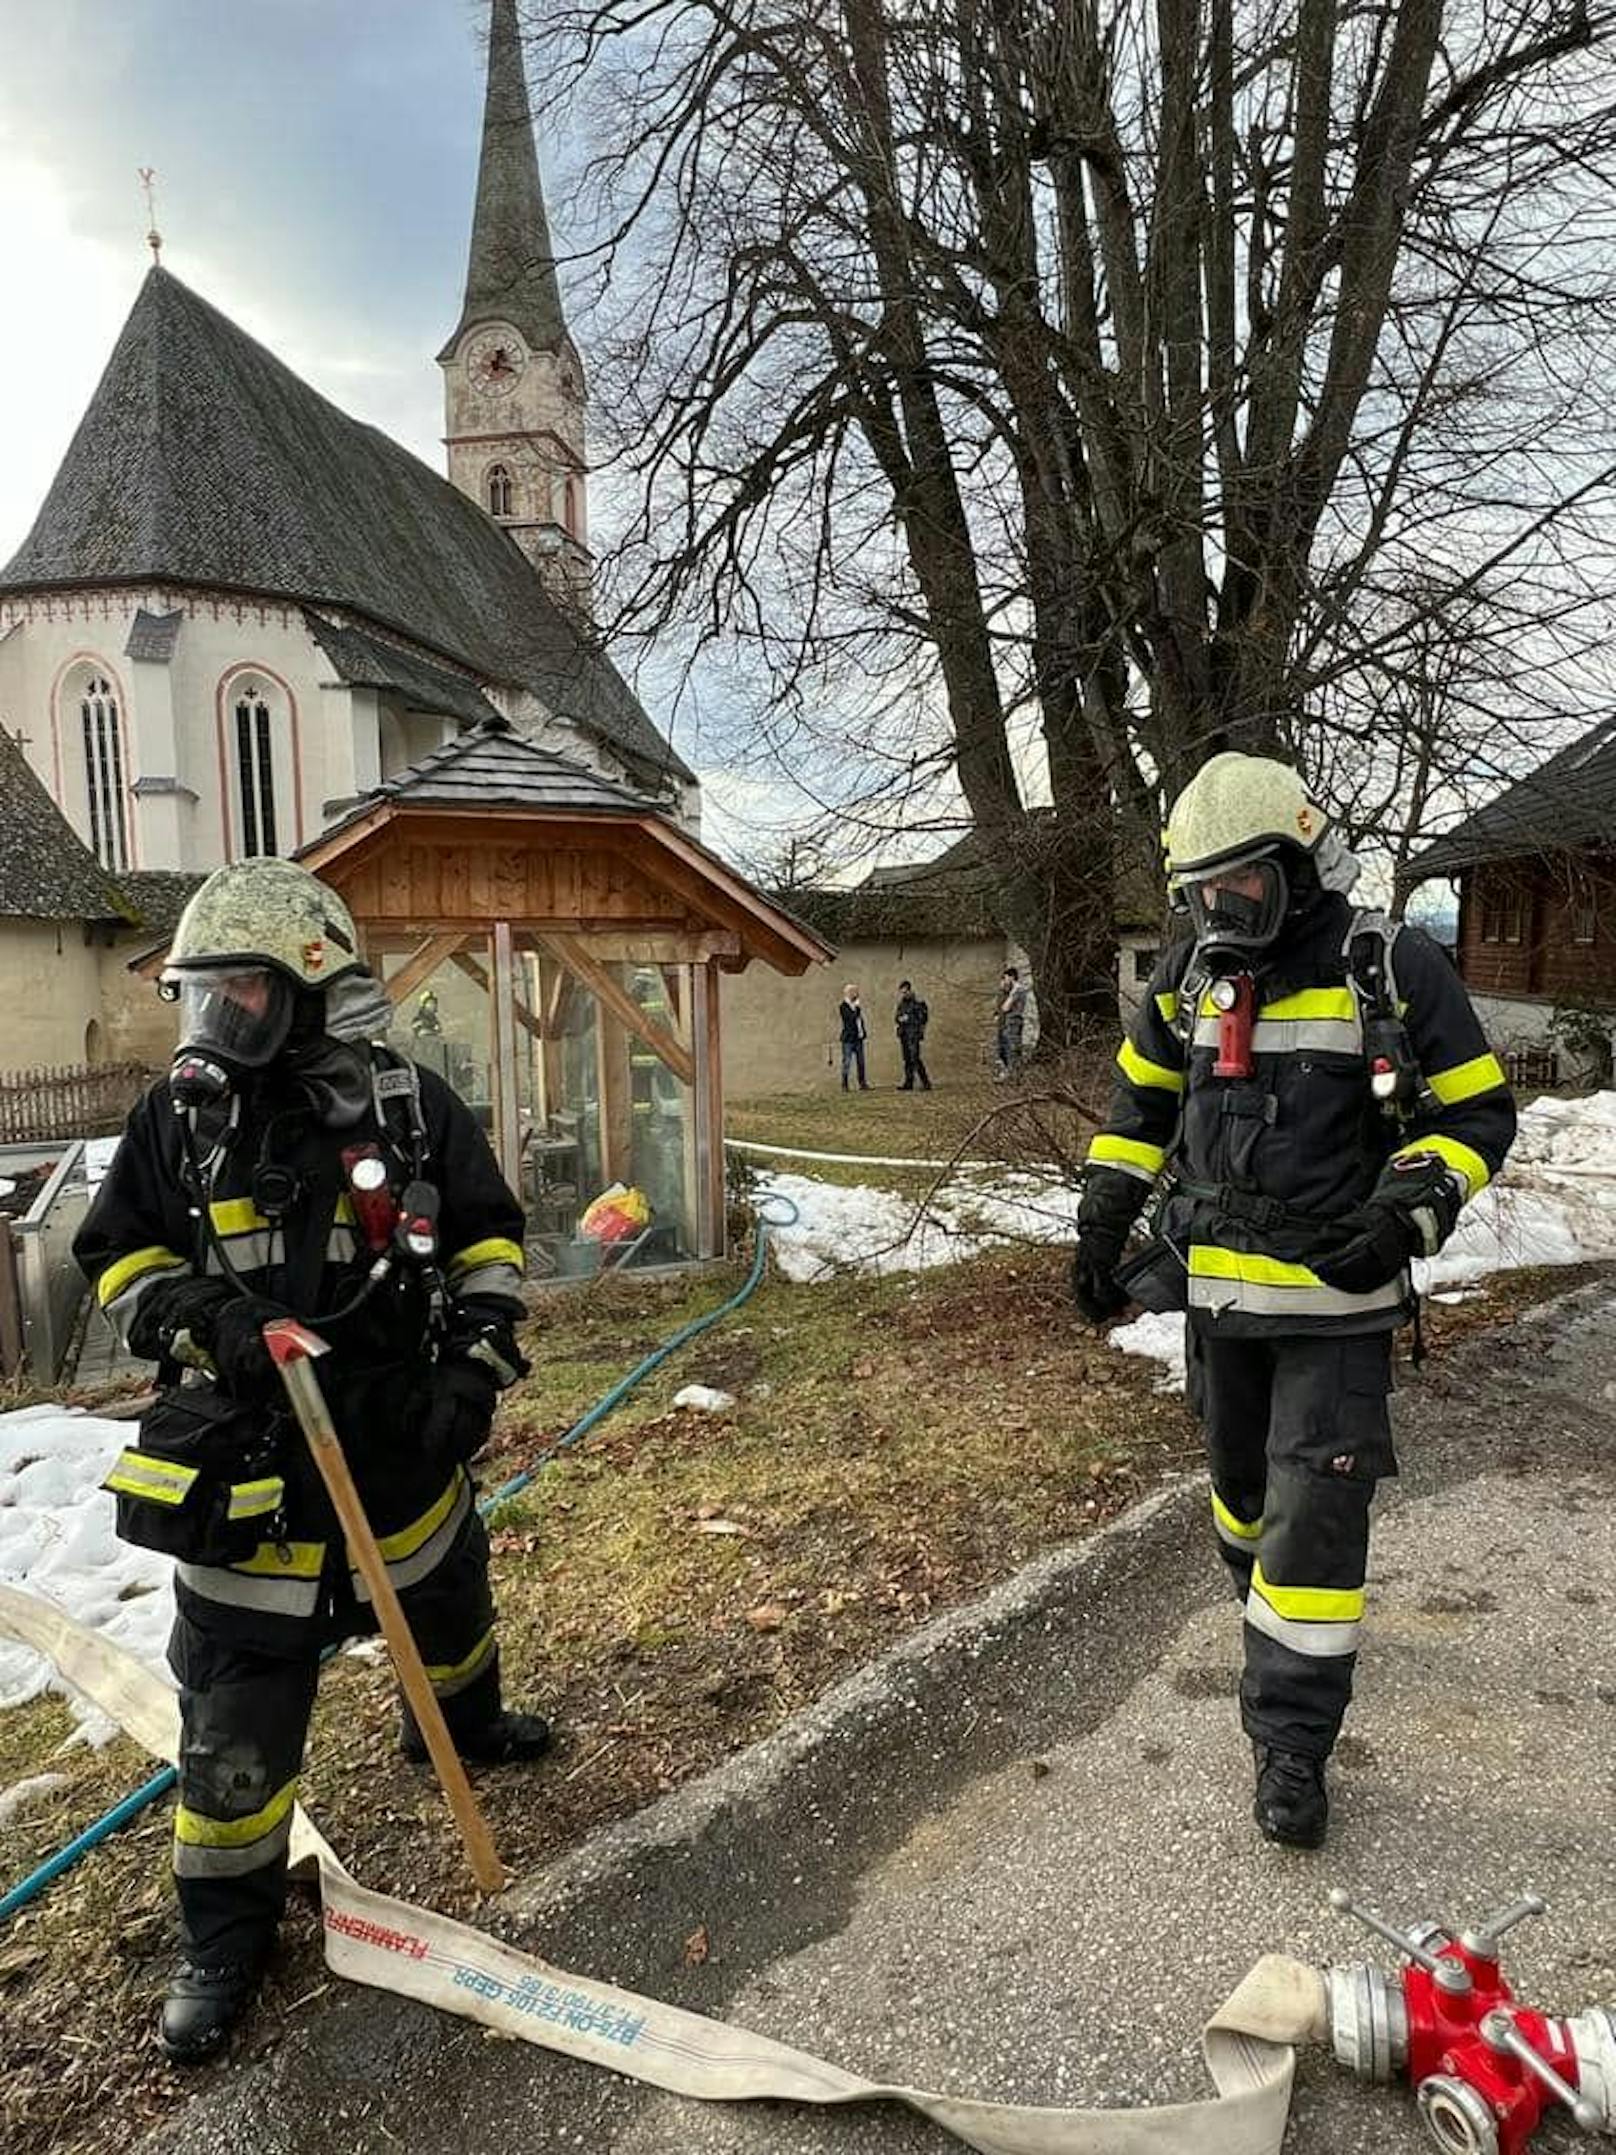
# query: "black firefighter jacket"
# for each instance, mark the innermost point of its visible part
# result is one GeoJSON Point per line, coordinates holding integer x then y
{"type": "Point", "coordinates": [1305, 1131]}
{"type": "Point", "coordinates": [144, 1230]}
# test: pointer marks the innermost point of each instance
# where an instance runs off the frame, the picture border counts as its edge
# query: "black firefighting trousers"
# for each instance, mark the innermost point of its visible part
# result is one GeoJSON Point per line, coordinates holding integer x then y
{"type": "Point", "coordinates": [244, 1715]}
{"type": "Point", "coordinates": [1298, 1433]}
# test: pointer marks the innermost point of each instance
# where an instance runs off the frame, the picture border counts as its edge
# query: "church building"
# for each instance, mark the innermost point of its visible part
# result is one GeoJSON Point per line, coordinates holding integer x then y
{"type": "Point", "coordinates": [240, 610]}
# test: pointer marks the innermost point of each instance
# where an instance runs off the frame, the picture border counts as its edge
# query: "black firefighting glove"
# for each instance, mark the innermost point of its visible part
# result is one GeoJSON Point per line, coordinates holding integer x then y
{"type": "Point", "coordinates": [174, 1318]}
{"type": "Point", "coordinates": [236, 1346]}
{"type": "Point", "coordinates": [480, 1358]}
{"type": "Point", "coordinates": [1410, 1212]}
{"type": "Point", "coordinates": [1111, 1202]}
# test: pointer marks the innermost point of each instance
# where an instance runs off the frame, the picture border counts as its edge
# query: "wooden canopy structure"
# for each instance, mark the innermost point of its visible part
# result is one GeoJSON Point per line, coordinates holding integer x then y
{"type": "Point", "coordinates": [562, 898]}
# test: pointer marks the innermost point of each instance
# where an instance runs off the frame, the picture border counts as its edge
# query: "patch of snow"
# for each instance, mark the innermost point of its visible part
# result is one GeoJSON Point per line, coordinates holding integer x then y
{"type": "Point", "coordinates": [1554, 1204]}
{"type": "Point", "coordinates": [23, 1795]}
{"type": "Point", "coordinates": [56, 1539]}
{"type": "Point", "coordinates": [704, 1399]}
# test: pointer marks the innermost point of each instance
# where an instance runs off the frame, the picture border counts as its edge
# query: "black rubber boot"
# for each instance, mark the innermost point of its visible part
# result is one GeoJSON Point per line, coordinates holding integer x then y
{"type": "Point", "coordinates": [510, 1739]}
{"type": "Point", "coordinates": [204, 2002]}
{"type": "Point", "coordinates": [1291, 1803]}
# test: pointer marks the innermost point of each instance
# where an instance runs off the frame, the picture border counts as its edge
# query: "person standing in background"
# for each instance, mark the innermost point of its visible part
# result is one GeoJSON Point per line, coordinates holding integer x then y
{"type": "Point", "coordinates": [911, 1019]}
{"type": "Point", "coordinates": [1011, 1013]}
{"type": "Point", "coordinates": [855, 1031]}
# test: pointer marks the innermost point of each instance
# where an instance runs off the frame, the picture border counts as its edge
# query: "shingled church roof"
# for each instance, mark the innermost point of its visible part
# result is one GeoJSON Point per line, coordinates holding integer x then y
{"type": "Point", "coordinates": [203, 460]}
{"type": "Point", "coordinates": [47, 872]}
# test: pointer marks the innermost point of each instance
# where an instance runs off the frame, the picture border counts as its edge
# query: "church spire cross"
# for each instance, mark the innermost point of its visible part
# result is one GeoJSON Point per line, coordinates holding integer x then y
{"type": "Point", "coordinates": [511, 275]}
{"type": "Point", "coordinates": [148, 182]}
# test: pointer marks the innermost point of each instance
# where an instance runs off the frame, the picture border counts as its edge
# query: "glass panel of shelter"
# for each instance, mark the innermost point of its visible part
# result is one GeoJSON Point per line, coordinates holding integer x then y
{"type": "Point", "coordinates": [597, 1106]}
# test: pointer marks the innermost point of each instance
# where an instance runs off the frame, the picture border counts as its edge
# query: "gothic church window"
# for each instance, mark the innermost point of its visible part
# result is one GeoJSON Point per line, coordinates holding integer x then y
{"type": "Point", "coordinates": [255, 771]}
{"type": "Point", "coordinates": [103, 773]}
{"type": "Point", "coordinates": [499, 490]}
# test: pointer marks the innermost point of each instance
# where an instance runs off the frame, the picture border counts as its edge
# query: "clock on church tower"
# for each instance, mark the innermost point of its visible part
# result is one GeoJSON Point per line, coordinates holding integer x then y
{"type": "Point", "coordinates": [495, 362]}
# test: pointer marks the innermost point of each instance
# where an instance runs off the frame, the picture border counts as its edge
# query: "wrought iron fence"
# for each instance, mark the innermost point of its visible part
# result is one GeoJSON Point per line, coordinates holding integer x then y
{"type": "Point", "coordinates": [90, 1100]}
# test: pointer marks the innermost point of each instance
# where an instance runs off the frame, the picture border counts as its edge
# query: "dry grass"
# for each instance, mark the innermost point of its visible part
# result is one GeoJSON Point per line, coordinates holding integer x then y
{"type": "Point", "coordinates": [670, 1590]}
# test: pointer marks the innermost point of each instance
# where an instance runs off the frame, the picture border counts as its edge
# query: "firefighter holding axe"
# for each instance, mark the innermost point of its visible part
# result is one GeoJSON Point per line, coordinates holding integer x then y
{"type": "Point", "coordinates": [294, 1189]}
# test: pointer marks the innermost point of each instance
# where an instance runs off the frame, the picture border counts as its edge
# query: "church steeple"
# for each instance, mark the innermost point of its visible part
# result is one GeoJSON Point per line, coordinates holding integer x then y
{"type": "Point", "coordinates": [511, 275]}
{"type": "Point", "coordinates": [513, 385]}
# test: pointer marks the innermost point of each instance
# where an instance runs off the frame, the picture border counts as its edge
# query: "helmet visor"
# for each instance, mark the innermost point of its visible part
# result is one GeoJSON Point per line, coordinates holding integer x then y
{"type": "Point", "coordinates": [1237, 907]}
{"type": "Point", "coordinates": [242, 1016]}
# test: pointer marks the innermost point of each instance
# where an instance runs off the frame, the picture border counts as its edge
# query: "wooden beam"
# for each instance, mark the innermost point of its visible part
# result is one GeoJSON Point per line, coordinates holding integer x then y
{"type": "Point", "coordinates": [507, 1116]}
{"type": "Point", "coordinates": [474, 969]}
{"type": "Point", "coordinates": [616, 1090]}
{"type": "Point", "coordinates": [708, 1108]}
{"type": "Point", "coordinates": [613, 996]}
{"type": "Point", "coordinates": [427, 957]}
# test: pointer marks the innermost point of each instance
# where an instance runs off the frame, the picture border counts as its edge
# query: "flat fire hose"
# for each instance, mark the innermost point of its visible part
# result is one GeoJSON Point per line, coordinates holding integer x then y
{"type": "Point", "coordinates": [392, 1945]}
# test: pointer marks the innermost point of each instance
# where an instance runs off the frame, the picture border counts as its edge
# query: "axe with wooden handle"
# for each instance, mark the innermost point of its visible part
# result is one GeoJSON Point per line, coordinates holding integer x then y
{"type": "Point", "coordinates": [294, 1348]}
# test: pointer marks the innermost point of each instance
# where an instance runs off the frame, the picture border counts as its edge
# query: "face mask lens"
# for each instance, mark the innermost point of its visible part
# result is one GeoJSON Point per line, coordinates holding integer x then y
{"type": "Point", "coordinates": [1238, 908]}
{"type": "Point", "coordinates": [242, 1017]}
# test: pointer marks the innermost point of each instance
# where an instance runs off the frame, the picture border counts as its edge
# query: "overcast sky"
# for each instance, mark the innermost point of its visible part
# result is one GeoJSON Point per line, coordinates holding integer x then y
{"type": "Point", "coordinates": [316, 163]}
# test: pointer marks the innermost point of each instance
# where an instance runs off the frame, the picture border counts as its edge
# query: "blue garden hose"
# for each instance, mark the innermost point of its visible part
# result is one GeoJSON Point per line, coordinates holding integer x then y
{"type": "Point", "coordinates": [160, 1783]}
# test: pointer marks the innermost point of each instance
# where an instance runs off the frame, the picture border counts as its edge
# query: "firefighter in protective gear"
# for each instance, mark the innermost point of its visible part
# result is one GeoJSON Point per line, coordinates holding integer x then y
{"type": "Point", "coordinates": [1323, 1092]}
{"type": "Point", "coordinates": [248, 1185]}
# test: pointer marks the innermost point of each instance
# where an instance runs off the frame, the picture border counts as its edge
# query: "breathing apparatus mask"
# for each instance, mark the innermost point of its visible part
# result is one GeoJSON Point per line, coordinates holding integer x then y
{"type": "Point", "coordinates": [1238, 908]}
{"type": "Point", "coordinates": [233, 1020]}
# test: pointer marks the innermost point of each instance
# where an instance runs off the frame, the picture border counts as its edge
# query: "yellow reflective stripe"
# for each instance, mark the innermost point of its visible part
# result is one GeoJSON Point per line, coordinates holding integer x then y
{"type": "Point", "coordinates": [237, 1216]}
{"type": "Point", "coordinates": [1140, 1070]}
{"type": "Point", "coordinates": [250, 1500]}
{"type": "Point", "coordinates": [289, 1560]}
{"type": "Point", "coordinates": [443, 1674]}
{"type": "Point", "coordinates": [1338, 1003]}
{"type": "Point", "coordinates": [345, 1210]}
{"type": "Point", "coordinates": [1209, 1262]}
{"type": "Point", "coordinates": [1458, 1156]}
{"type": "Point", "coordinates": [1483, 1073]}
{"type": "Point", "coordinates": [1310, 1604]}
{"type": "Point", "coordinates": [1241, 1529]}
{"type": "Point", "coordinates": [496, 1251]}
{"type": "Point", "coordinates": [1128, 1152]}
{"type": "Point", "coordinates": [1168, 1006]}
{"type": "Point", "coordinates": [124, 1271]}
{"type": "Point", "coordinates": [162, 1481]}
{"type": "Point", "coordinates": [197, 1830]}
{"type": "Point", "coordinates": [408, 1539]}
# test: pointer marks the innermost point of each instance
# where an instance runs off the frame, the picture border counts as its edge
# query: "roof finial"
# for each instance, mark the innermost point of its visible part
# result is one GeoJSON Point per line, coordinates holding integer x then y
{"type": "Point", "coordinates": [154, 238]}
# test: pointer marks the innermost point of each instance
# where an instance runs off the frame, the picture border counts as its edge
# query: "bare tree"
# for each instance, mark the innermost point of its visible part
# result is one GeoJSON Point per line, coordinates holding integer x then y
{"type": "Point", "coordinates": [1054, 394]}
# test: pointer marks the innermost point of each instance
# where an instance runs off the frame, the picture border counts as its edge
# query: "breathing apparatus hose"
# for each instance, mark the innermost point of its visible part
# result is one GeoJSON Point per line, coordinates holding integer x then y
{"type": "Point", "coordinates": [140, 1799]}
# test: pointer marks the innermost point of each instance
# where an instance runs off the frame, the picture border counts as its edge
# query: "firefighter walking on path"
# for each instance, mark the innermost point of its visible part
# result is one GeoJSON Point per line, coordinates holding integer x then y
{"type": "Point", "coordinates": [1318, 1090]}
{"type": "Point", "coordinates": [289, 1164]}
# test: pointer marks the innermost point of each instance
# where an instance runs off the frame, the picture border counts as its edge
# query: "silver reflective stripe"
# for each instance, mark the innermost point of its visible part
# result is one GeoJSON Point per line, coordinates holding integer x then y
{"type": "Point", "coordinates": [120, 1311]}
{"type": "Point", "coordinates": [1290, 1036]}
{"type": "Point", "coordinates": [194, 1861]}
{"type": "Point", "coordinates": [1246, 1543]}
{"type": "Point", "coordinates": [1322, 1642]}
{"type": "Point", "coordinates": [248, 1253]}
{"type": "Point", "coordinates": [411, 1569]}
{"type": "Point", "coordinates": [1266, 1300]}
{"type": "Point", "coordinates": [341, 1243]}
{"type": "Point", "coordinates": [491, 1280]}
{"type": "Point", "coordinates": [241, 1590]}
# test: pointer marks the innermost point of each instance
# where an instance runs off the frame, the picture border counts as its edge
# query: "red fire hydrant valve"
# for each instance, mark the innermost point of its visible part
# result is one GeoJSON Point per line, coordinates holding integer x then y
{"type": "Point", "coordinates": [1484, 2069]}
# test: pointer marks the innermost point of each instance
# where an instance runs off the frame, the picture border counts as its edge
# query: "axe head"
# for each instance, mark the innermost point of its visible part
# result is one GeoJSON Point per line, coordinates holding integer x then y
{"type": "Point", "coordinates": [289, 1341]}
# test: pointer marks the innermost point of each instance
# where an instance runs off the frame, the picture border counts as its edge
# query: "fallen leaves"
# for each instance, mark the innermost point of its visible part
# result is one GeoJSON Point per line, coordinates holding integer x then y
{"type": "Point", "coordinates": [697, 1947]}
